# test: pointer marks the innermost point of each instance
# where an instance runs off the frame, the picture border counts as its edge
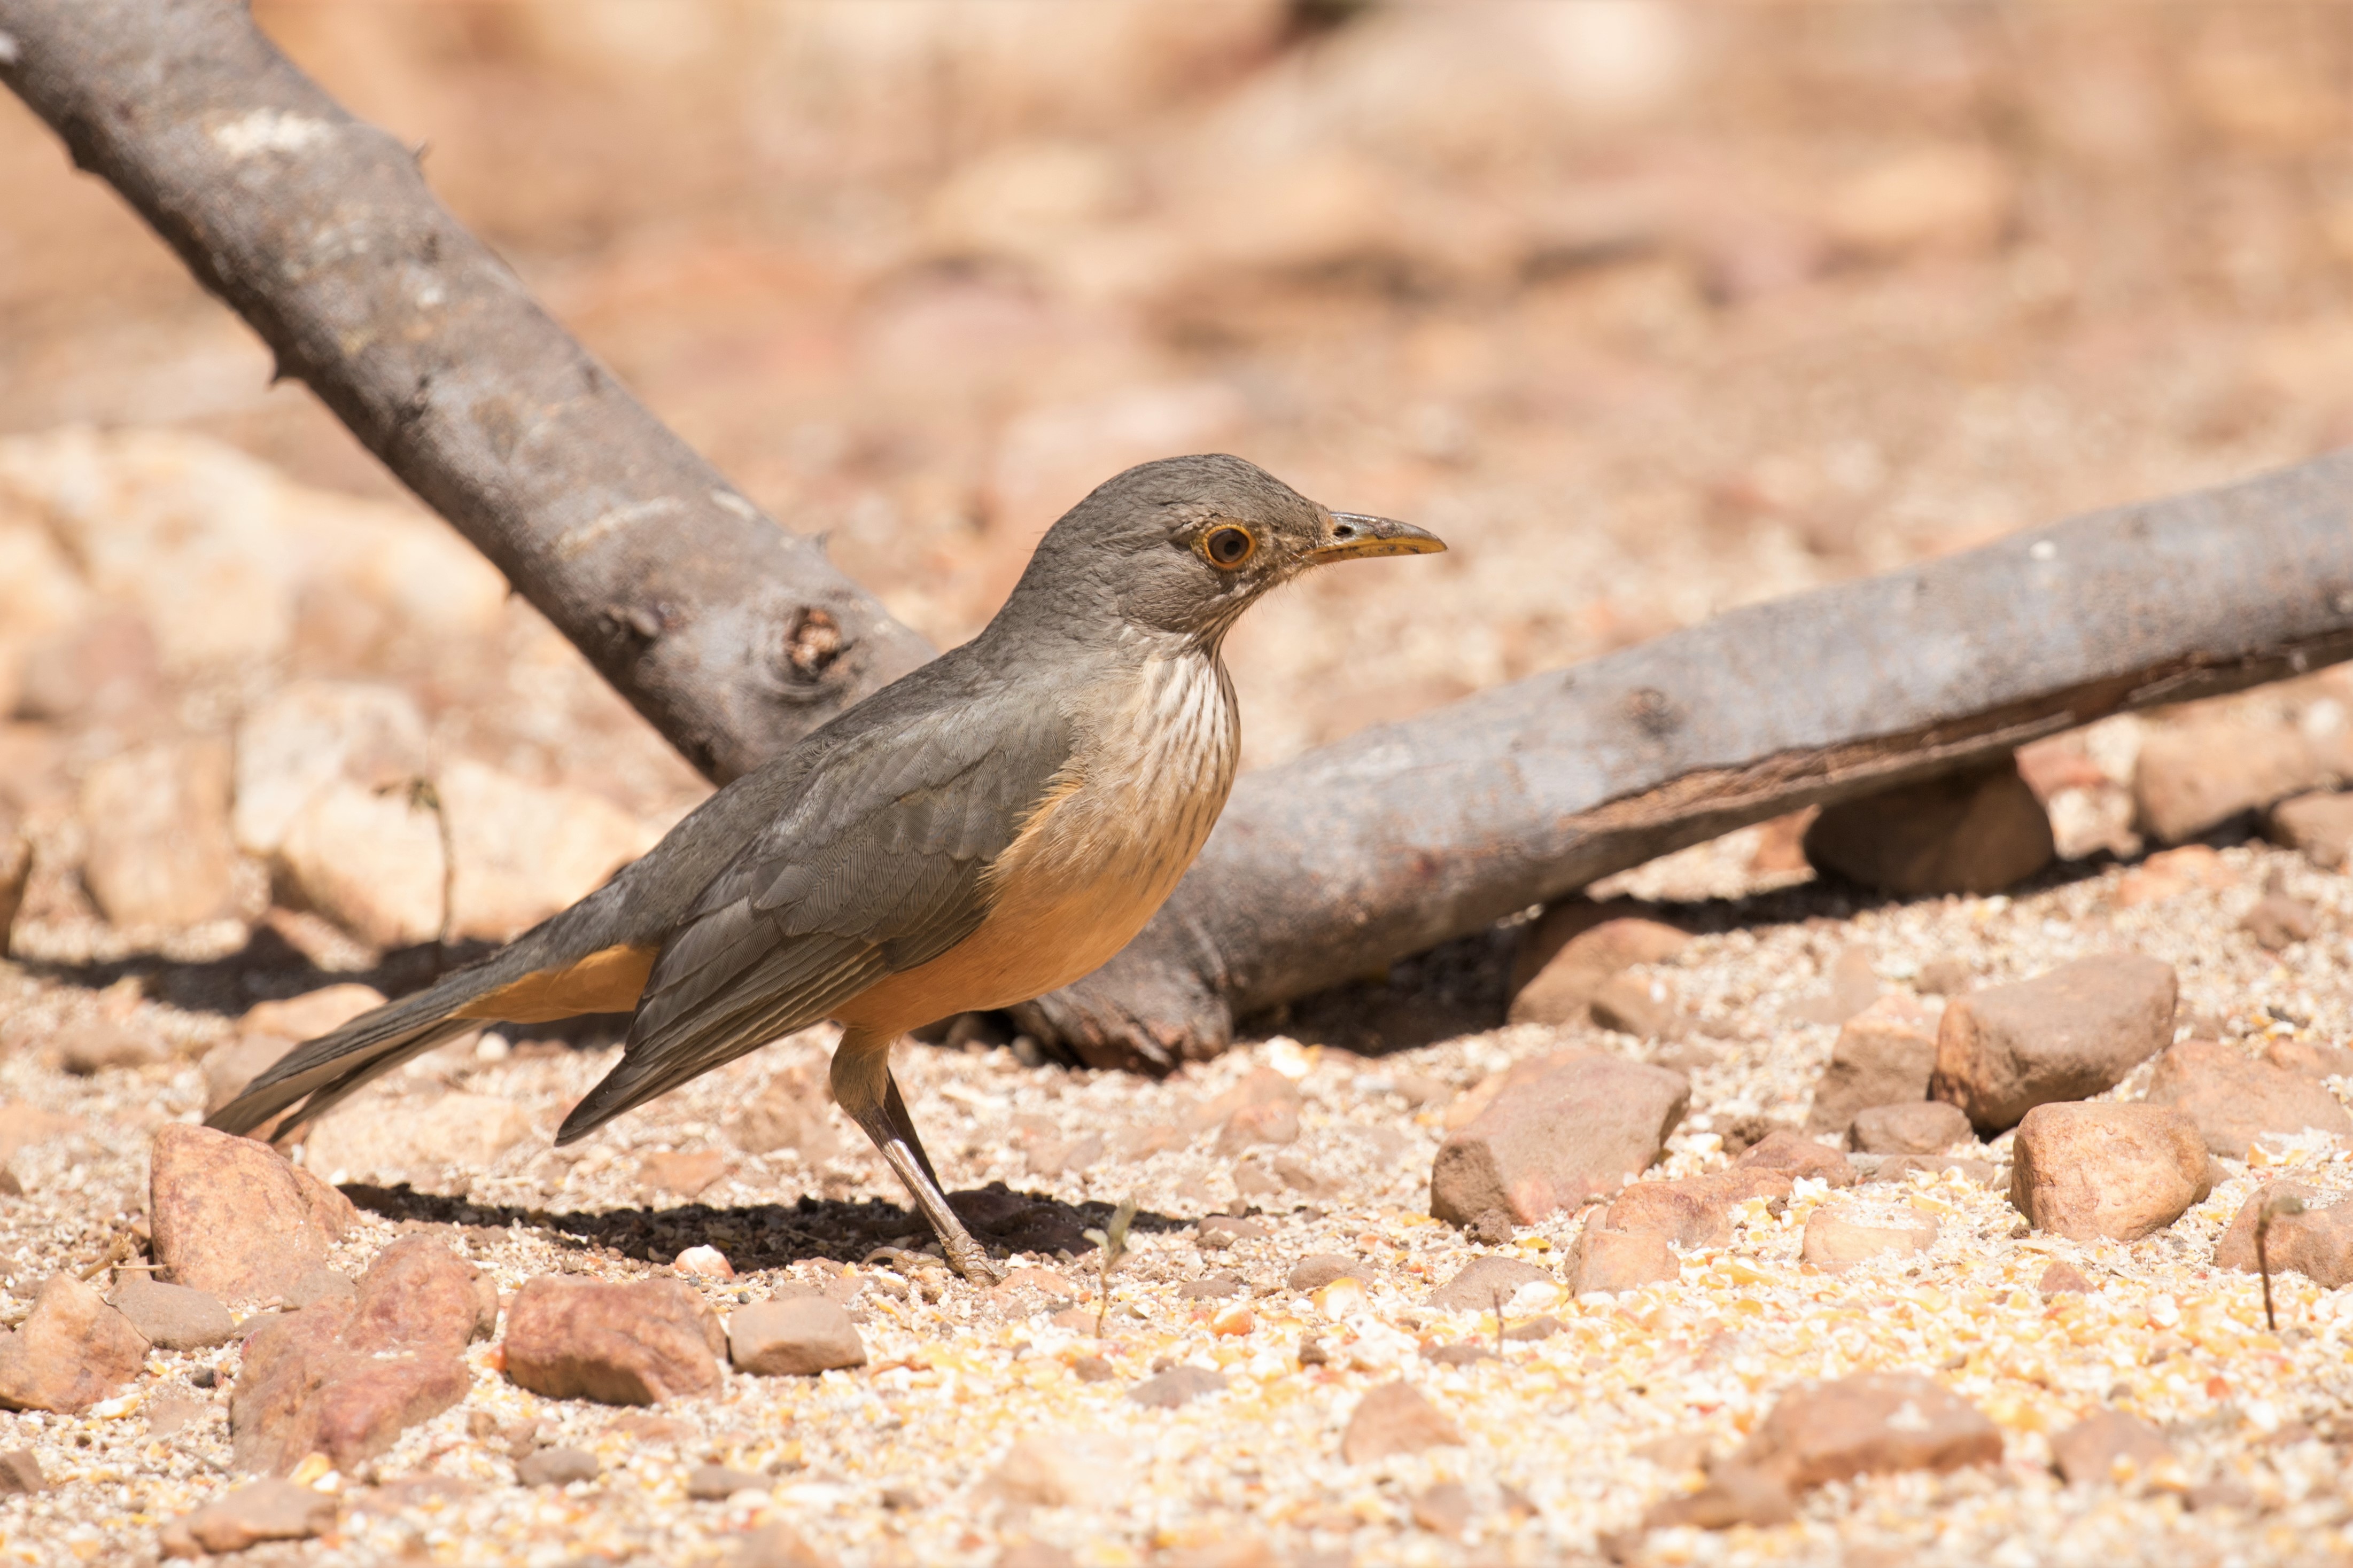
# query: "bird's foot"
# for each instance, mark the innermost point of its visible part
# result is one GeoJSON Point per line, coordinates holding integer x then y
{"type": "Point", "coordinates": [898, 1258]}
{"type": "Point", "coordinates": [969, 1259]}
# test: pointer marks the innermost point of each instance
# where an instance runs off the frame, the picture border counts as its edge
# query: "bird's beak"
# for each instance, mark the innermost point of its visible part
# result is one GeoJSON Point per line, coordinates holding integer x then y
{"type": "Point", "coordinates": [1351, 535]}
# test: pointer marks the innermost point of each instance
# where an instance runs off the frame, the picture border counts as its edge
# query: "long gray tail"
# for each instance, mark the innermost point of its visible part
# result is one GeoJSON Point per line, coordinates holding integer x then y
{"type": "Point", "coordinates": [316, 1075]}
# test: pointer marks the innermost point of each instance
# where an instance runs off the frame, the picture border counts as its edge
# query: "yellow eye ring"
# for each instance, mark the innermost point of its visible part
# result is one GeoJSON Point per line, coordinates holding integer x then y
{"type": "Point", "coordinates": [1227, 548]}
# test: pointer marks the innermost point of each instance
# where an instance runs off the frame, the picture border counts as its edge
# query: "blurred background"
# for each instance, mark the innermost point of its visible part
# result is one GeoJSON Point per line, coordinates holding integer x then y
{"type": "Point", "coordinates": [1649, 308]}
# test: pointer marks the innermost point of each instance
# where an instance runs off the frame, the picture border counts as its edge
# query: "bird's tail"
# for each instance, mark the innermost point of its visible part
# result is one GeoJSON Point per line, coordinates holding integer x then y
{"type": "Point", "coordinates": [317, 1073]}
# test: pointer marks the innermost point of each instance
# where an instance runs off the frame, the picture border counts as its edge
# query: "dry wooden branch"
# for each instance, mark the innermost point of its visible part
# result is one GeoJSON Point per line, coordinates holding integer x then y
{"type": "Point", "coordinates": [1407, 835]}
{"type": "Point", "coordinates": [734, 636]}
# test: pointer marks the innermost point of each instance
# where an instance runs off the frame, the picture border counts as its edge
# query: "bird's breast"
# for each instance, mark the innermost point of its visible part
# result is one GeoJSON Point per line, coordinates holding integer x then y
{"type": "Point", "coordinates": [1097, 857]}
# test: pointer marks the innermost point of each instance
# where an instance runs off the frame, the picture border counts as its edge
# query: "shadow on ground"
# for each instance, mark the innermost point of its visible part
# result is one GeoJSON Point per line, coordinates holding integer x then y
{"type": "Point", "coordinates": [770, 1236]}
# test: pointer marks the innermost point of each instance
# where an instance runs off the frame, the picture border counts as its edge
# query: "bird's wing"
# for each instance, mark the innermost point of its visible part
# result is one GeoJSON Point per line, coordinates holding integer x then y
{"type": "Point", "coordinates": [875, 867]}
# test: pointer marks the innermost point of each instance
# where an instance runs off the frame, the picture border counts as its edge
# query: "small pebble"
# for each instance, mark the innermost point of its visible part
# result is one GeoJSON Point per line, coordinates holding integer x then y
{"type": "Point", "coordinates": [556, 1468]}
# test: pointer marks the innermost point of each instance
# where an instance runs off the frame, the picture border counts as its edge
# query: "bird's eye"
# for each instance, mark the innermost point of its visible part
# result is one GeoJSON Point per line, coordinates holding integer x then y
{"type": "Point", "coordinates": [1227, 547]}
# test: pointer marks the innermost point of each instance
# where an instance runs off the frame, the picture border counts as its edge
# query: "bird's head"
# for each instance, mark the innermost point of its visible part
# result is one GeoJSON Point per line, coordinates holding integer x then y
{"type": "Point", "coordinates": [1184, 545]}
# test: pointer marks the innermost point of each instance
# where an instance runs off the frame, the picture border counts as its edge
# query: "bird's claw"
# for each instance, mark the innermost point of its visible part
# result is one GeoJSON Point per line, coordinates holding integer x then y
{"type": "Point", "coordinates": [972, 1261]}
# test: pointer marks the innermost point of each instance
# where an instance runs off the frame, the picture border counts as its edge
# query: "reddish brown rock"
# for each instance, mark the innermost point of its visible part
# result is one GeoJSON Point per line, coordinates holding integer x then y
{"type": "Point", "coordinates": [1885, 1055]}
{"type": "Point", "coordinates": [1479, 1284]}
{"type": "Point", "coordinates": [345, 1376]}
{"type": "Point", "coordinates": [231, 1216]}
{"type": "Point", "coordinates": [556, 1468]}
{"type": "Point", "coordinates": [2170, 873]}
{"type": "Point", "coordinates": [1642, 1006]}
{"type": "Point", "coordinates": [1946, 975]}
{"type": "Point", "coordinates": [2063, 1035]}
{"type": "Point", "coordinates": [2316, 1243]}
{"type": "Point", "coordinates": [1915, 1127]}
{"type": "Point", "coordinates": [2320, 824]}
{"type": "Point", "coordinates": [71, 1351]}
{"type": "Point", "coordinates": [1319, 1270]}
{"type": "Point", "coordinates": [1732, 1494]}
{"type": "Point", "coordinates": [2314, 1058]}
{"type": "Point", "coordinates": [173, 1317]}
{"type": "Point", "coordinates": [1838, 1239]}
{"type": "Point", "coordinates": [801, 1336]}
{"type": "Point", "coordinates": [2060, 1279]}
{"type": "Point", "coordinates": [2198, 774]}
{"type": "Point", "coordinates": [1871, 1423]}
{"type": "Point", "coordinates": [1975, 832]}
{"type": "Point", "coordinates": [637, 1343]}
{"type": "Point", "coordinates": [2107, 1445]}
{"type": "Point", "coordinates": [1567, 957]}
{"type": "Point", "coordinates": [1782, 1150]}
{"type": "Point", "coordinates": [1395, 1419]}
{"type": "Point", "coordinates": [1219, 1231]}
{"type": "Point", "coordinates": [1560, 1130]}
{"type": "Point", "coordinates": [266, 1510]}
{"type": "Point", "coordinates": [2234, 1100]}
{"type": "Point", "coordinates": [1177, 1387]}
{"type": "Point", "coordinates": [1613, 1260]}
{"type": "Point", "coordinates": [2117, 1171]}
{"type": "Point", "coordinates": [1695, 1211]}
{"type": "Point", "coordinates": [20, 1473]}
{"type": "Point", "coordinates": [2277, 920]}
{"type": "Point", "coordinates": [331, 1211]}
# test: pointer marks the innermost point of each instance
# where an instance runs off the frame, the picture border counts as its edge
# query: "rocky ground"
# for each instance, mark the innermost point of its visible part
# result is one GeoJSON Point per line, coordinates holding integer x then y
{"type": "Point", "coordinates": [1294, 1362]}
{"type": "Point", "coordinates": [1736, 1212]}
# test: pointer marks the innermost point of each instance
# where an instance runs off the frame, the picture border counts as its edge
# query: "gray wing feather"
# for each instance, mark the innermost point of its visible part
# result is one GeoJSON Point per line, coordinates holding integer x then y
{"type": "Point", "coordinates": [877, 867]}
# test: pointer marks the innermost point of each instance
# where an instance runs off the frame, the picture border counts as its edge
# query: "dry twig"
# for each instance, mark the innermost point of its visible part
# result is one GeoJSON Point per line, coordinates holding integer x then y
{"type": "Point", "coordinates": [2278, 1206]}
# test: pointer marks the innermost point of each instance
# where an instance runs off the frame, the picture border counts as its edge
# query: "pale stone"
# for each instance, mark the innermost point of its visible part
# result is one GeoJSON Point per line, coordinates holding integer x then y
{"type": "Point", "coordinates": [370, 862]}
{"type": "Point", "coordinates": [519, 852]}
{"type": "Point", "coordinates": [157, 820]}
{"type": "Point", "coordinates": [314, 733]}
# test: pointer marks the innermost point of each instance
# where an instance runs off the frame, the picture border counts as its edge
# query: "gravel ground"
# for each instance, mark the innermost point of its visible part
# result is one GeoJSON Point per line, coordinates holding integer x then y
{"type": "Point", "coordinates": [1570, 1437]}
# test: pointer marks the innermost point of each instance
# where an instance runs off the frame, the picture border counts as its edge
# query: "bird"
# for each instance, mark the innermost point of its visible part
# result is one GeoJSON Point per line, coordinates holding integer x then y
{"type": "Point", "coordinates": [991, 826]}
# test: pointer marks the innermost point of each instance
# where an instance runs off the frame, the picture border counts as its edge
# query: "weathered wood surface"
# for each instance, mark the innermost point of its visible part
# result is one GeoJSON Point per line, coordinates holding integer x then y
{"type": "Point", "coordinates": [1406, 835]}
{"type": "Point", "coordinates": [732, 636]}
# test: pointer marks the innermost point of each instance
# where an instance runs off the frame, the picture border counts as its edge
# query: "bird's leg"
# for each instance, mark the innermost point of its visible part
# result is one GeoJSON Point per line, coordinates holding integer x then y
{"type": "Point", "coordinates": [894, 1111]}
{"type": "Point", "coordinates": [862, 1087]}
